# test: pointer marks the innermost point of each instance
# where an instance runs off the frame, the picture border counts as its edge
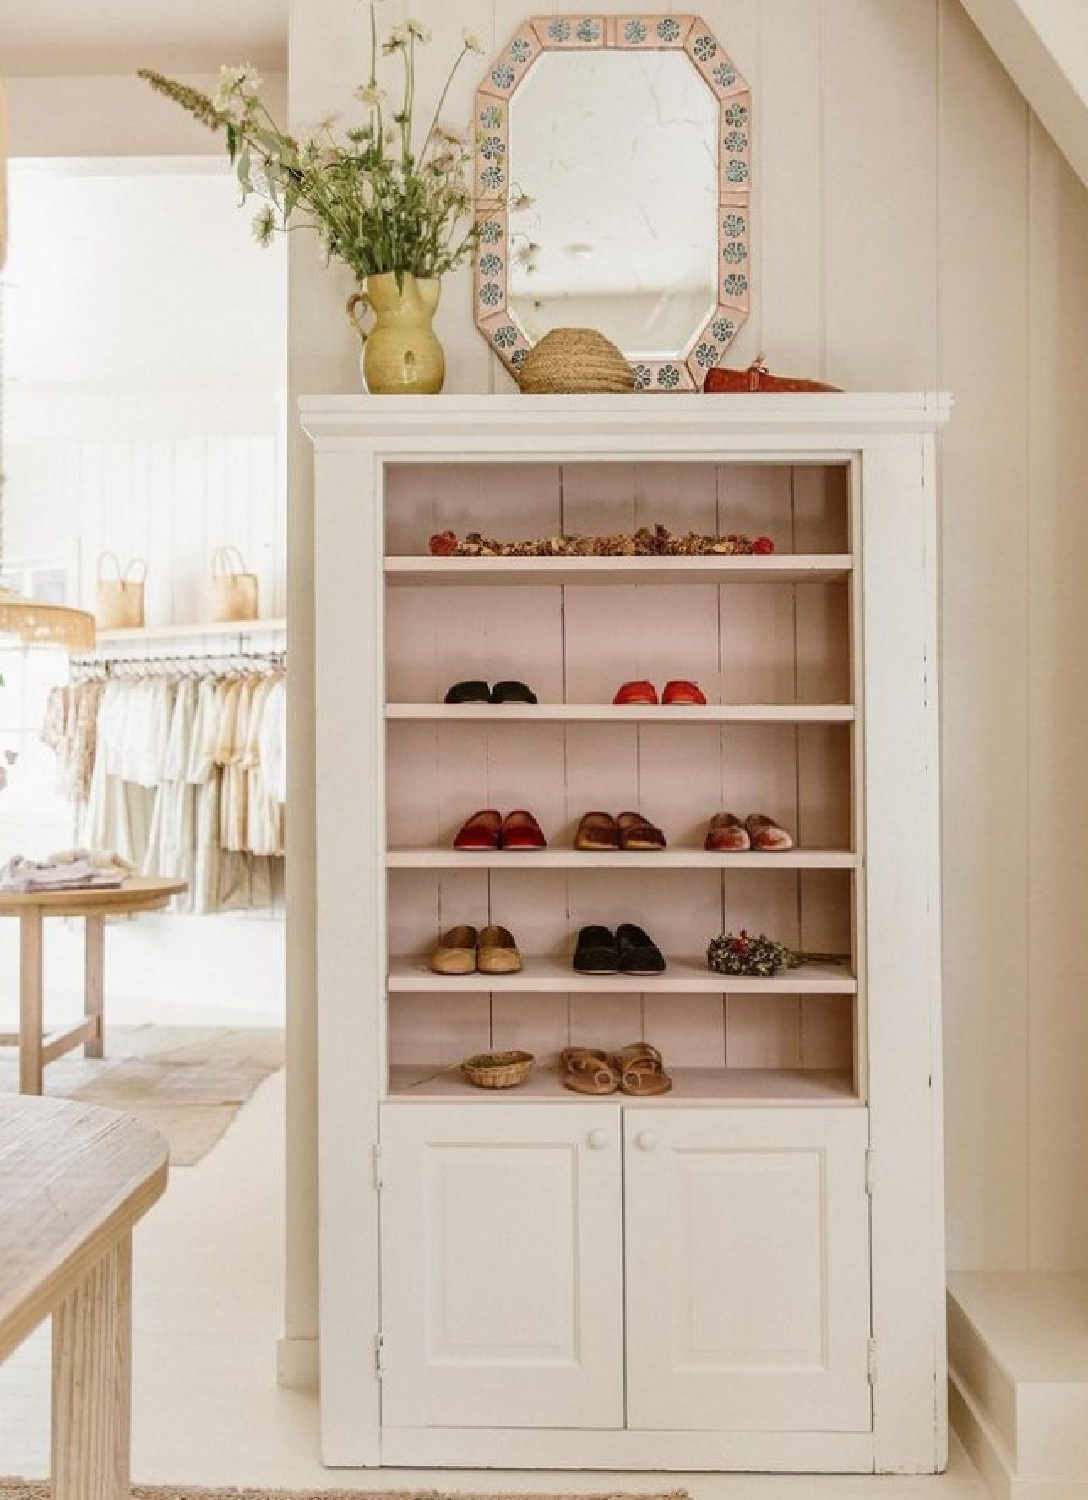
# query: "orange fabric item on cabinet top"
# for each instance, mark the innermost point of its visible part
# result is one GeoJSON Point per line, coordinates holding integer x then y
{"type": "Point", "coordinates": [757, 377]}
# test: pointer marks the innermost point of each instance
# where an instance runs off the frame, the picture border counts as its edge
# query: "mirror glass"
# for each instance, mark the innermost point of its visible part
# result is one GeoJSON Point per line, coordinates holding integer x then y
{"type": "Point", "coordinates": [614, 184]}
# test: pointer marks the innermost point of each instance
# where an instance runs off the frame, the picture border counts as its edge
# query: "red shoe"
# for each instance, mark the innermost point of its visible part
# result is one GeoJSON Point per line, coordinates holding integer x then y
{"type": "Point", "coordinates": [767, 836]}
{"type": "Point", "coordinates": [520, 830]}
{"type": "Point", "coordinates": [481, 831]}
{"type": "Point", "coordinates": [636, 692]}
{"type": "Point", "coordinates": [726, 834]}
{"type": "Point", "coordinates": [683, 692]}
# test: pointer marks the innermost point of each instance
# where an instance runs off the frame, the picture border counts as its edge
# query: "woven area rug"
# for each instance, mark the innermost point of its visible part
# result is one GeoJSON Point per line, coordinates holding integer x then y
{"type": "Point", "coordinates": [187, 1081]}
{"type": "Point", "coordinates": [15, 1490]}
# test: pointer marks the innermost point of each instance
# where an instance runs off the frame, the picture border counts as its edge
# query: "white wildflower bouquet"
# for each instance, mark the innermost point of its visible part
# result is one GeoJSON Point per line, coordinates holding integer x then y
{"type": "Point", "coordinates": [379, 200]}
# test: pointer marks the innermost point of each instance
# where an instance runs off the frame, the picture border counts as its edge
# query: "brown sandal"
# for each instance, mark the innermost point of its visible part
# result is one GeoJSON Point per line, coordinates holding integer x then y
{"type": "Point", "coordinates": [638, 833]}
{"type": "Point", "coordinates": [641, 1070]}
{"type": "Point", "coordinates": [598, 832]}
{"type": "Point", "coordinates": [587, 1071]}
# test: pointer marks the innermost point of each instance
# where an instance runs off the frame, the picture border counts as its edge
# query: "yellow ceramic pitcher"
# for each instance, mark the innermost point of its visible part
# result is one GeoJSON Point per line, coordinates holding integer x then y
{"type": "Point", "coordinates": [401, 355]}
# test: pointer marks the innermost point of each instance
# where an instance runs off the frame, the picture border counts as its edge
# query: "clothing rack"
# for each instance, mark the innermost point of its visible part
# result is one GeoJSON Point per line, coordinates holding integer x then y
{"type": "Point", "coordinates": [191, 664]}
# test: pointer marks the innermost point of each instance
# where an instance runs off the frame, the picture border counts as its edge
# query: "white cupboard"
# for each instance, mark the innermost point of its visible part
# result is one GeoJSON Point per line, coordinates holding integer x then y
{"type": "Point", "coordinates": [746, 1272]}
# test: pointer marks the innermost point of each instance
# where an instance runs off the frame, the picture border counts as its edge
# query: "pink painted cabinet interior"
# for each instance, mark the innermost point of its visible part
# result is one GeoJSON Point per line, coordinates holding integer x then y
{"type": "Point", "coordinates": [776, 650]}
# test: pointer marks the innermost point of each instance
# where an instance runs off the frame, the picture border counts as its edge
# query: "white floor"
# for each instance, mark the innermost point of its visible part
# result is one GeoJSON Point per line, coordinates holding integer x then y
{"type": "Point", "coordinates": [207, 1315]}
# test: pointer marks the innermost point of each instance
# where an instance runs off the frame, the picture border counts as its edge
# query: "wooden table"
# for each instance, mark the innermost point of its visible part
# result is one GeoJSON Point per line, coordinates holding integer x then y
{"type": "Point", "coordinates": [35, 1048]}
{"type": "Point", "coordinates": [74, 1179]}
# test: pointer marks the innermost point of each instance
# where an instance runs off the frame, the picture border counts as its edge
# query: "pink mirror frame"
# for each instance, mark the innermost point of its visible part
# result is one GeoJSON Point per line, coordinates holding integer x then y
{"type": "Point", "coordinates": [492, 189]}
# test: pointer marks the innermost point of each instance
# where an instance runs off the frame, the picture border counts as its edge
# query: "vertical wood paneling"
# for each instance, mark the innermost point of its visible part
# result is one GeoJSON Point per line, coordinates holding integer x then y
{"type": "Point", "coordinates": [984, 524]}
{"type": "Point", "coordinates": [789, 187]}
{"type": "Point", "coordinates": [1057, 1037]}
{"type": "Point", "coordinates": [159, 589]}
{"type": "Point", "coordinates": [468, 361]}
{"type": "Point", "coordinates": [170, 501]}
{"type": "Point", "coordinates": [880, 211]}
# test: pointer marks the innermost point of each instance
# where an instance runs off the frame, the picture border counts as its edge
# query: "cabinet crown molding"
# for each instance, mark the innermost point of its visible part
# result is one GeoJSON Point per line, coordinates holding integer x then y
{"type": "Point", "coordinates": [594, 423]}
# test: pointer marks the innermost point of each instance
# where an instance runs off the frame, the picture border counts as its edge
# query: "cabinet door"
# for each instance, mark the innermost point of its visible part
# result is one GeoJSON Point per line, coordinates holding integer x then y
{"type": "Point", "coordinates": [747, 1269]}
{"type": "Point", "coordinates": [502, 1273]}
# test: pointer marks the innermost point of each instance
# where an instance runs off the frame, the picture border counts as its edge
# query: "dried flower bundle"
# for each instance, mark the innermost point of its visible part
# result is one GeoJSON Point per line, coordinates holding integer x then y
{"type": "Point", "coordinates": [758, 957]}
{"type": "Point", "coordinates": [379, 199]}
{"type": "Point", "coordinates": [656, 541]}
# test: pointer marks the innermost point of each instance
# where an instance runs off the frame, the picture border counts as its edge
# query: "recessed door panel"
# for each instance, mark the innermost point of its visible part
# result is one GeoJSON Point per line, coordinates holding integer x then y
{"type": "Point", "coordinates": [502, 1279]}
{"type": "Point", "coordinates": [747, 1270]}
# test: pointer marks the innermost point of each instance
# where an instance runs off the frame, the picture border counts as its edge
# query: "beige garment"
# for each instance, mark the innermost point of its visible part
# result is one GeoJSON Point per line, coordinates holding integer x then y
{"type": "Point", "coordinates": [172, 844]}
{"type": "Point", "coordinates": [202, 778]}
{"type": "Point", "coordinates": [228, 752]}
{"type": "Point", "coordinates": [54, 733]}
{"type": "Point", "coordinates": [237, 773]}
{"type": "Point", "coordinates": [264, 820]}
{"type": "Point", "coordinates": [70, 731]}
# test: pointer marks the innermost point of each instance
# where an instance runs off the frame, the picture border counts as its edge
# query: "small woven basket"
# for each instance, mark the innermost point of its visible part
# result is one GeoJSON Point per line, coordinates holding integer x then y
{"type": "Point", "coordinates": [498, 1070]}
{"type": "Point", "coordinates": [575, 361]}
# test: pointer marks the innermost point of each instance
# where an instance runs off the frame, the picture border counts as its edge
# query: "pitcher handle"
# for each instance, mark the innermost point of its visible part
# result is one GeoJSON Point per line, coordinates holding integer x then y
{"type": "Point", "coordinates": [357, 300]}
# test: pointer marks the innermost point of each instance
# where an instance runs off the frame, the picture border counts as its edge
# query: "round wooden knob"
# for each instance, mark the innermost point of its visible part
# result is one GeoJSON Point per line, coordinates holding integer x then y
{"type": "Point", "coordinates": [598, 1139]}
{"type": "Point", "coordinates": [646, 1140]}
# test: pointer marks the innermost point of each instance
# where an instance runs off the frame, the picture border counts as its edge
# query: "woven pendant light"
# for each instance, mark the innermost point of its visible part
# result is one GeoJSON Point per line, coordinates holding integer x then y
{"type": "Point", "coordinates": [28, 620]}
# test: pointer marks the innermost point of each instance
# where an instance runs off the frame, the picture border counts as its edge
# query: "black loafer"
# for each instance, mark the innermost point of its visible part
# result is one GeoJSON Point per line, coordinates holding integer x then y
{"type": "Point", "coordinates": [638, 953]}
{"type": "Point", "coordinates": [512, 692]}
{"type": "Point", "coordinates": [596, 952]}
{"type": "Point", "coordinates": [468, 692]}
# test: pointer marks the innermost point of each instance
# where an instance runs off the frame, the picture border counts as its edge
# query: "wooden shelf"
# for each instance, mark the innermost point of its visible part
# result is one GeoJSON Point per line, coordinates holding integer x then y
{"type": "Point", "coordinates": [641, 713]}
{"type": "Point", "coordinates": [575, 859]}
{"type": "Point", "coordinates": [714, 1086]}
{"type": "Point", "coordinates": [228, 628]}
{"type": "Point", "coordinates": [684, 976]}
{"type": "Point", "coordinates": [618, 571]}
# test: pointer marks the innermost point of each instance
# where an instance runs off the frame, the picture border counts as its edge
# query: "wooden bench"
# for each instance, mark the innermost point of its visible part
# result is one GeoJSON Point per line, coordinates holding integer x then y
{"type": "Point", "coordinates": [74, 1179]}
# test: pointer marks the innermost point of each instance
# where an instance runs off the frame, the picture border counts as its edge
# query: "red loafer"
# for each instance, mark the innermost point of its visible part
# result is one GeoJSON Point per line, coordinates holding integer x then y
{"type": "Point", "coordinates": [683, 692]}
{"type": "Point", "coordinates": [726, 834]}
{"type": "Point", "coordinates": [767, 836]}
{"type": "Point", "coordinates": [636, 692]}
{"type": "Point", "coordinates": [520, 830]}
{"type": "Point", "coordinates": [481, 831]}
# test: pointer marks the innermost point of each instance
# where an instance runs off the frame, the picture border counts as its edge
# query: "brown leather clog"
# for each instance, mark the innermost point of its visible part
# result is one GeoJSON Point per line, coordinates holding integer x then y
{"type": "Point", "coordinates": [638, 833]}
{"type": "Point", "coordinates": [598, 832]}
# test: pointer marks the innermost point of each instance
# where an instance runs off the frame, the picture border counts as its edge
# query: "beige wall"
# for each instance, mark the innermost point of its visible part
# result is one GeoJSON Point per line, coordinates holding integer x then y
{"type": "Point", "coordinates": [914, 226]}
{"type": "Point", "coordinates": [112, 115]}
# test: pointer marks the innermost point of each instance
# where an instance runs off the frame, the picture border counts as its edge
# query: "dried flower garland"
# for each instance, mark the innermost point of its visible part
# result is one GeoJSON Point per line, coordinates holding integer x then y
{"type": "Point", "coordinates": [656, 541]}
{"type": "Point", "coordinates": [758, 957]}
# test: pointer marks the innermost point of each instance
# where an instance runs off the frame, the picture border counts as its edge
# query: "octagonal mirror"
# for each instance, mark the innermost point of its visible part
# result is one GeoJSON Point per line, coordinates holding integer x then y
{"type": "Point", "coordinates": [612, 190]}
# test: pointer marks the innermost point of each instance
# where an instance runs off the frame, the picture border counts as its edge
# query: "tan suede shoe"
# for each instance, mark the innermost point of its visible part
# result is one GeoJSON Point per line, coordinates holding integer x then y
{"type": "Point", "coordinates": [496, 952]}
{"type": "Point", "coordinates": [456, 952]}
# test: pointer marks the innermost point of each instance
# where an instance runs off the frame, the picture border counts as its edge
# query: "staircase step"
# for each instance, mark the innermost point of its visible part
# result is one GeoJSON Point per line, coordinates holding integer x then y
{"type": "Point", "coordinates": [1018, 1348]}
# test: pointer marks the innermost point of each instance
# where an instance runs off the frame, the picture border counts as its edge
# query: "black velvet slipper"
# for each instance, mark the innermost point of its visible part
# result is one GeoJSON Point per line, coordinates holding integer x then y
{"type": "Point", "coordinates": [512, 692]}
{"type": "Point", "coordinates": [596, 952]}
{"type": "Point", "coordinates": [638, 953]}
{"type": "Point", "coordinates": [468, 692]}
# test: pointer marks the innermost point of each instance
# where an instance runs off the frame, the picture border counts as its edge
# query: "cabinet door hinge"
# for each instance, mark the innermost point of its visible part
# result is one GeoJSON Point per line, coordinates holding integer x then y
{"type": "Point", "coordinates": [872, 1361]}
{"type": "Point", "coordinates": [379, 1356]}
{"type": "Point", "coordinates": [870, 1171]}
{"type": "Point", "coordinates": [378, 1167]}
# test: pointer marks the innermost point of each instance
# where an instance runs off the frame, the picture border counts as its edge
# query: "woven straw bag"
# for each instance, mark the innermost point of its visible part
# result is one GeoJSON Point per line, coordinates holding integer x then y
{"type": "Point", "coordinates": [119, 600]}
{"type": "Point", "coordinates": [575, 361]}
{"type": "Point", "coordinates": [232, 592]}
